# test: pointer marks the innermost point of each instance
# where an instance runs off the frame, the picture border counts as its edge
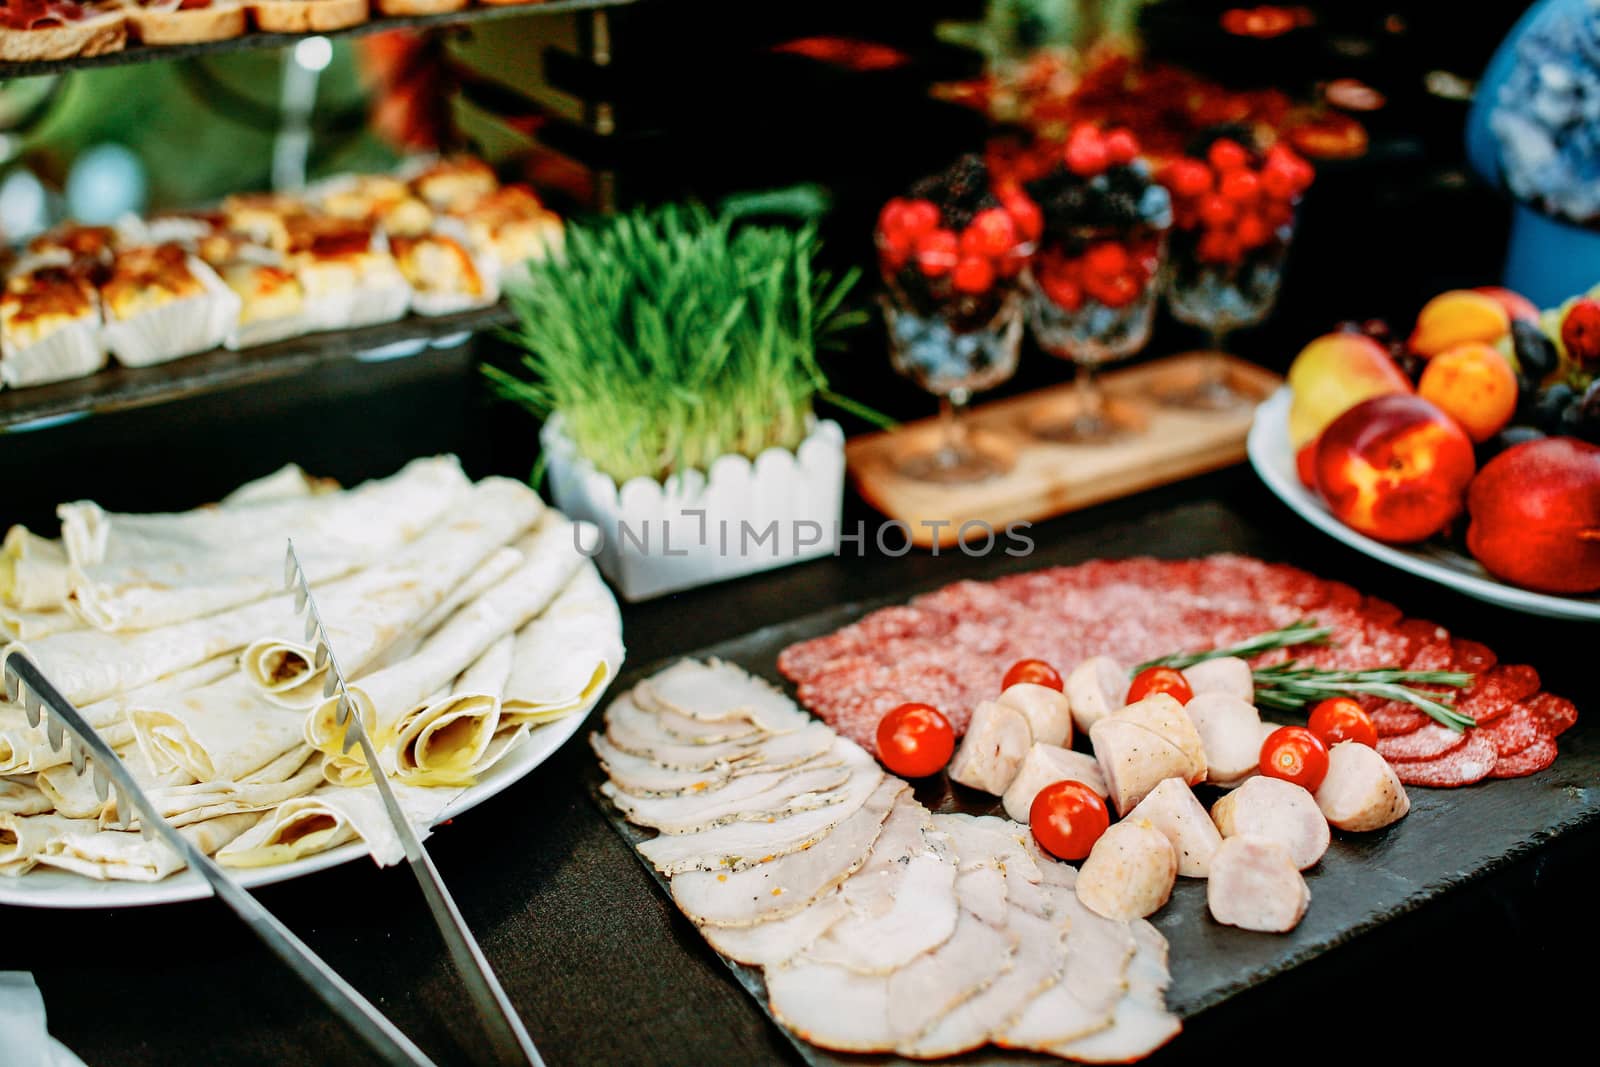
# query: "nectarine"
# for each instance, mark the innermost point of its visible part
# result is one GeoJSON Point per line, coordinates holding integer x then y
{"type": "Point", "coordinates": [1394, 468]}
{"type": "Point", "coordinates": [1517, 306]}
{"type": "Point", "coordinates": [1473, 384]}
{"type": "Point", "coordinates": [1456, 317]}
{"type": "Point", "coordinates": [1333, 374]}
{"type": "Point", "coordinates": [1536, 516]}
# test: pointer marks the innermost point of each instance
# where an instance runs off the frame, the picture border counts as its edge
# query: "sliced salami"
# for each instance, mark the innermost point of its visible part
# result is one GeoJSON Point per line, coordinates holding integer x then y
{"type": "Point", "coordinates": [1395, 719]}
{"type": "Point", "coordinates": [1536, 757]}
{"type": "Point", "coordinates": [1428, 742]}
{"type": "Point", "coordinates": [1516, 729]}
{"type": "Point", "coordinates": [1496, 690]}
{"type": "Point", "coordinates": [1472, 656]}
{"type": "Point", "coordinates": [1558, 714]}
{"type": "Point", "coordinates": [1470, 763]}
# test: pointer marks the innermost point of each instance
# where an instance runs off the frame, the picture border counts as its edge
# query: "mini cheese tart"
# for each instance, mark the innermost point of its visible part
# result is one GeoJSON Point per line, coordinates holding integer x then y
{"type": "Point", "coordinates": [263, 217]}
{"type": "Point", "coordinates": [187, 21]}
{"type": "Point", "coordinates": [77, 242]}
{"type": "Point", "coordinates": [435, 263]}
{"type": "Point", "coordinates": [378, 198]}
{"type": "Point", "coordinates": [38, 303]}
{"type": "Point", "coordinates": [267, 292]}
{"type": "Point", "coordinates": [454, 182]}
{"type": "Point", "coordinates": [143, 279]}
{"type": "Point", "coordinates": [35, 30]}
{"type": "Point", "coordinates": [514, 226]}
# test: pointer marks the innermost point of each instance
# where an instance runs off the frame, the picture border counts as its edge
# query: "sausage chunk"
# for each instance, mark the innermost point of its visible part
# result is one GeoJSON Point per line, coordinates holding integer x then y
{"type": "Point", "coordinates": [991, 752]}
{"type": "Point", "coordinates": [1096, 687]}
{"type": "Point", "coordinates": [1227, 675]}
{"type": "Point", "coordinates": [1361, 791]}
{"type": "Point", "coordinates": [1254, 885]}
{"type": "Point", "coordinates": [1129, 873]}
{"type": "Point", "coordinates": [1045, 765]}
{"type": "Point", "coordinates": [1278, 811]}
{"type": "Point", "coordinates": [1134, 760]}
{"type": "Point", "coordinates": [1172, 809]}
{"type": "Point", "coordinates": [1230, 733]}
{"type": "Point", "coordinates": [1046, 710]}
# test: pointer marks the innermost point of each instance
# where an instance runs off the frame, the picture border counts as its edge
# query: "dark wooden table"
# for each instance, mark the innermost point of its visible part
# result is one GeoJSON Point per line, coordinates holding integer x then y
{"type": "Point", "coordinates": [604, 970]}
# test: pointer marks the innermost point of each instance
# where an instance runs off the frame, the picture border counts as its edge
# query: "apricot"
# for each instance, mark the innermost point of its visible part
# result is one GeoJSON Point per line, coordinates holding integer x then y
{"type": "Point", "coordinates": [1395, 468]}
{"type": "Point", "coordinates": [1455, 317]}
{"type": "Point", "coordinates": [1473, 384]}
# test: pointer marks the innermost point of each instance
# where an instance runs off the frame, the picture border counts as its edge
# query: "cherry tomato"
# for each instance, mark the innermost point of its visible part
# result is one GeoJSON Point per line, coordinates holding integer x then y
{"type": "Point", "coordinates": [1296, 755]}
{"type": "Point", "coordinates": [914, 740]}
{"type": "Point", "coordinates": [1160, 680]}
{"type": "Point", "coordinates": [1036, 671]}
{"type": "Point", "coordinates": [1067, 818]}
{"type": "Point", "coordinates": [1342, 719]}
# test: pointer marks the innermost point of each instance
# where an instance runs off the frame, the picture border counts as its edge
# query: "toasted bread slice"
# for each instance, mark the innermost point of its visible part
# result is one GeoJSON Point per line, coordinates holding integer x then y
{"type": "Point", "coordinates": [168, 23]}
{"type": "Point", "coordinates": [308, 16]}
{"type": "Point", "coordinates": [94, 35]}
{"type": "Point", "coordinates": [420, 7]}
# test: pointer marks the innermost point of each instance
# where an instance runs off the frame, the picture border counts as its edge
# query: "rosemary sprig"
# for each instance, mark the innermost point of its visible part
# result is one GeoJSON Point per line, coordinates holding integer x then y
{"type": "Point", "coordinates": [1304, 632]}
{"type": "Point", "coordinates": [1289, 686]}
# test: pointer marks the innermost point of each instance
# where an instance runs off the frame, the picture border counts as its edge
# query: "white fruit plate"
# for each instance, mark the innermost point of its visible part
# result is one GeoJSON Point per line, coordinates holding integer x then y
{"type": "Point", "coordinates": [46, 888]}
{"type": "Point", "coordinates": [1273, 458]}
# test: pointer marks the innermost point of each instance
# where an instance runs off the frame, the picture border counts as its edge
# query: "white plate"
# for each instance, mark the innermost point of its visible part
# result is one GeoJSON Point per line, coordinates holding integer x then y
{"type": "Point", "coordinates": [1273, 458]}
{"type": "Point", "coordinates": [46, 888]}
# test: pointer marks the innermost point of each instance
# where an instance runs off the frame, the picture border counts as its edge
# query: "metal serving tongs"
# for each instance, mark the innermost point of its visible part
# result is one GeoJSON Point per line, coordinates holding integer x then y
{"type": "Point", "coordinates": [509, 1036]}
{"type": "Point", "coordinates": [26, 684]}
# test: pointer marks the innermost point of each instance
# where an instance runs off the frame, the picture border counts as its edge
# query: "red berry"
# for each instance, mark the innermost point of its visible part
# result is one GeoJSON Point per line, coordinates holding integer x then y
{"type": "Point", "coordinates": [1063, 292]}
{"type": "Point", "coordinates": [1105, 258]}
{"type": "Point", "coordinates": [974, 274]}
{"type": "Point", "coordinates": [1216, 210]}
{"type": "Point", "coordinates": [1114, 290]}
{"type": "Point", "coordinates": [918, 217]}
{"type": "Point", "coordinates": [1278, 182]}
{"type": "Point", "coordinates": [1580, 331]}
{"type": "Point", "coordinates": [1226, 155]}
{"type": "Point", "coordinates": [1086, 151]}
{"type": "Point", "coordinates": [1189, 178]}
{"type": "Point", "coordinates": [1026, 214]}
{"type": "Point", "coordinates": [1240, 185]}
{"type": "Point", "coordinates": [894, 248]}
{"type": "Point", "coordinates": [937, 252]}
{"type": "Point", "coordinates": [990, 233]}
{"type": "Point", "coordinates": [891, 220]}
{"type": "Point", "coordinates": [1122, 146]}
{"type": "Point", "coordinates": [1253, 231]}
{"type": "Point", "coordinates": [1218, 246]}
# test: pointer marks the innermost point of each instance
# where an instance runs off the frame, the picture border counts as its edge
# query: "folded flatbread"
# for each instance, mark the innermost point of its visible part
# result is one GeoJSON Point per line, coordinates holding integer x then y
{"type": "Point", "coordinates": [490, 573]}
{"type": "Point", "coordinates": [133, 572]}
{"type": "Point", "coordinates": [33, 571]}
{"type": "Point", "coordinates": [295, 773]}
{"type": "Point", "coordinates": [128, 856]}
{"type": "Point", "coordinates": [331, 817]}
{"type": "Point", "coordinates": [565, 658]}
{"type": "Point", "coordinates": [27, 748]}
{"type": "Point", "coordinates": [24, 837]}
{"type": "Point", "coordinates": [383, 697]}
{"type": "Point", "coordinates": [22, 624]}
{"type": "Point", "coordinates": [288, 482]}
{"type": "Point", "coordinates": [21, 795]}
{"type": "Point", "coordinates": [367, 613]}
{"type": "Point", "coordinates": [74, 796]}
{"type": "Point", "coordinates": [444, 741]}
{"type": "Point", "coordinates": [221, 732]}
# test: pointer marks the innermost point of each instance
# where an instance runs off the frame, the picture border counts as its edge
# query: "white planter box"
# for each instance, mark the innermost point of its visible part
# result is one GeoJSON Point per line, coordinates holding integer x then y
{"type": "Point", "coordinates": [697, 528]}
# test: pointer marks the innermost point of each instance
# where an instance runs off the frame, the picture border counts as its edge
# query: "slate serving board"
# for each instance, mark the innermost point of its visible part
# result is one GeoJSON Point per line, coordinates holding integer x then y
{"type": "Point", "coordinates": [1450, 837]}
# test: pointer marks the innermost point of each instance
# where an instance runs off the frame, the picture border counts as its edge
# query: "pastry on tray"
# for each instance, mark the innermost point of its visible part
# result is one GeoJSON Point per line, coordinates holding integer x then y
{"type": "Point", "coordinates": [308, 16]}
{"type": "Point", "coordinates": [160, 22]}
{"type": "Point", "coordinates": [49, 327]}
{"type": "Point", "coordinates": [33, 30]}
{"type": "Point", "coordinates": [513, 227]}
{"type": "Point", "coordinates": [420, 7]}
{"type": "Point", "coordinates": [444, 276]}
{"type": "Point", "coordinates": [349, 276]}
{"type": "Point", "coordinates": [272, 303]}
{"type": "Point", "coordinates": [375, 198]}
{"type": "Point", "coordinates": [73, 242]}
{"type": "Point", "coordinates": [263, 217]}
{"type": "Point", "coordinates": [453, 182]}
{"type": "Point", "coordinates": [163, 302]}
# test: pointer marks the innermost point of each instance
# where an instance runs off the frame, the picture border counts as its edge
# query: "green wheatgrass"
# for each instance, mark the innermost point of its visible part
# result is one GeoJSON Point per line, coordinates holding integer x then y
{"type": "Point", "coordinates": [668, 338]}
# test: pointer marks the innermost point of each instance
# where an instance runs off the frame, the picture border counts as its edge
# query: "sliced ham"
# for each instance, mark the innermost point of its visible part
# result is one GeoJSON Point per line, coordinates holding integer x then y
{"type": "Point", "coordinates": [752, 798]}
{"type": "Point", "coordinates": [1255, 885]}
{"type": "Point", "coordinates": [715, 691]}
{"type": "Point", "coordinates": [1045, 765]}
{"type": "Point", "coordinates": [988, 841]}
{"type": "Point", "coordinates": [991, 753]}
{"type": "Point", "coordinates": [1278, 811]}
{"type": "Point", "coordinates": [642, 777]}
{"type": "Point", "coordinates": [783, 886]}
{"type": "Point", "coordinates": [1129, 873]}
{"type": "Point", "coordinates": [775, 941]}
{"type": "Point", "coordinates": [1172, 809]}
{"type": "Point", "coordinates": [1084, 1001]}
{"type": "Point", "coordinates": [1141, 1022]}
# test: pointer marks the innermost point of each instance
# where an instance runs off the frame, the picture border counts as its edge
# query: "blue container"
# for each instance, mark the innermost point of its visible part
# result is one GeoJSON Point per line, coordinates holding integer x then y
{"type": "Point", "coordinates": [1549, 260]}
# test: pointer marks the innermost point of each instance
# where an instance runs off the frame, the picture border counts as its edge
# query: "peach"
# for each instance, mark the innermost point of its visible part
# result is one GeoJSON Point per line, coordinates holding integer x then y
{"type": "Point", "coordinates": [1517, 306]}
{"type": "Point", "coordinates": [1473, 384]}
{"type": "Point", "coordinates": [1333, 374]}
{"type": "Point", "coordinates": [1394, 468]}
{"type": "Point", "coordinates": [1456, 317]}
{"type": "Point", "coordinates": [1305, 464]}
{"type": "Point", "coordinates": [1536, 516]}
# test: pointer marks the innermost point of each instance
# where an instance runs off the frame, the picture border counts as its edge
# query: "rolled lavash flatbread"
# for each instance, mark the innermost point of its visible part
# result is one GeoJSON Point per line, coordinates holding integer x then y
{"type": "Point", "coordinates": [27, 748]}
{"type": "Point", "coordinates": [332, 816]}
{"type": "Point", "coordinates": [201, 562]}
{"type": "Point", "coordinates": [490, 573]}
{"type": "Point", "coordinates": [293, 774]}
{"type": "Point", "coordinates": [21, 795]}
{"type": "Point", "coordinates": [128, 856]}
{"type": "Point", "coordinates": [33, 571]}
{"type": "Point", "coordinates": [367, 613]}
{"type": "Point", "coordinates": [221, 732]}
{"type": "Point", "coordinates": [565, 658]}
{"type": "Point", "coordinates": [21, 624]}
{"type": "Point", "coordinates": [383, 697]}
{"type": "Point", "coordinates": [73, 795]}
{"type": "Point", "coordinates": [443, 741]}
{"type": "Point", "coordinates": [24, 837]}
{"type": "Point", "coordinates": [288, 482]}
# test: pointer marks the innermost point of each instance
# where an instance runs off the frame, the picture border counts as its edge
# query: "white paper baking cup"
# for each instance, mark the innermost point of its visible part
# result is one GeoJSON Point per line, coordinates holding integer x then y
{"type": "Point", "coordinates": [179, 328]}
{"type": "Point", "coordinates": [266, 331]}
{"type": "Point", "coordinates": [73, 351]}
{"type": "Point", "coordinates": [432, 303]}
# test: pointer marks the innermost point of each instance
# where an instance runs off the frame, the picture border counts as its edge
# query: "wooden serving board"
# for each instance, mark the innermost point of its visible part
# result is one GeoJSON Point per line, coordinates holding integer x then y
{"type": "Point", "coordinates": [1164, 444]}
